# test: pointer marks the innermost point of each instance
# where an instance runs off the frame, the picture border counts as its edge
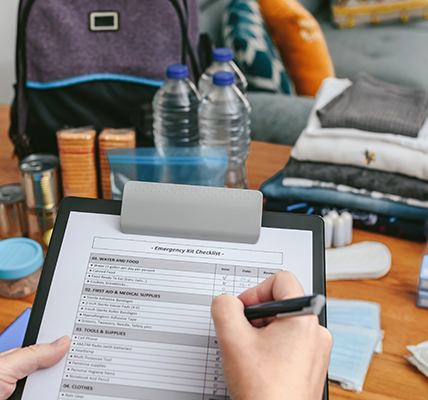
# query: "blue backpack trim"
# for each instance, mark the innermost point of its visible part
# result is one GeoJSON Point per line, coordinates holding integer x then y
{"type": "Point", "coordinates": [93, 77]}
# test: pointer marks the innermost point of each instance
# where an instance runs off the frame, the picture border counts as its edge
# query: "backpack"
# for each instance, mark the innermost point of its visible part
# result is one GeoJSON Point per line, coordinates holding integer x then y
{"type": "Point", "coordinates": [97, 63]}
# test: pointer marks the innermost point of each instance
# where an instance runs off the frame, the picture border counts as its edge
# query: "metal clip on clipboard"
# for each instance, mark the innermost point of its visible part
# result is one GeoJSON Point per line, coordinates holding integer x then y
{"type": "Point", "coordinates": [192, 212]}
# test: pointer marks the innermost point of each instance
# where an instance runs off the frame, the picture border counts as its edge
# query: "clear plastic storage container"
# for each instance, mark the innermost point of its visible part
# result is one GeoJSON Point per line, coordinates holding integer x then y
{"type": "Point", "coordinates": [21, 261]}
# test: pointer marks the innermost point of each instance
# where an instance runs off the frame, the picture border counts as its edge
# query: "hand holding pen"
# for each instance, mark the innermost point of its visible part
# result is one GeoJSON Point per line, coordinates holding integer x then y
{"type": "Point", "coordinates": [270, 357]}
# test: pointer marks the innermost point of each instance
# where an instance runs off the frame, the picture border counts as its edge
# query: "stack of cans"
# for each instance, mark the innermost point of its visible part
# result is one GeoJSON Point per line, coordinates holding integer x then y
{"type": "Point", "coordinates": [112, 139]}
{"type": "Point", "coordinates": [78, 165]}
{"type": "Point", "coordinates": [423, 283]}
{"type": "Point", "coordinates": [13, 221]}
{"type": "Point", "coordinates": [40, 183]}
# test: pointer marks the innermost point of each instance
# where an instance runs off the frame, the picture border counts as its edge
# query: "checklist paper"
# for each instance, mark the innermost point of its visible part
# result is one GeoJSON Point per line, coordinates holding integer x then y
{"type": "Point", "coordinates": [138, 309]}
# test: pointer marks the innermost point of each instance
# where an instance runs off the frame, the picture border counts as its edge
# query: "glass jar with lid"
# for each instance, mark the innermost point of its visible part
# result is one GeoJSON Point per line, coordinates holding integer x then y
{"type": "Point", "coordinates": [20, 266]}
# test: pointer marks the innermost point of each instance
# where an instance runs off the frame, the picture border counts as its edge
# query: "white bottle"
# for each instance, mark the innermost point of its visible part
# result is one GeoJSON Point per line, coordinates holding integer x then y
{"type": "Point", "coordinates": [347, 217]}
{"type": "Point", "coordinates": [224, 122]}
{"type": "Point", "coordinates": [333, 214]}
{"type": "Point", "coordinates": [222, 61]}
{"type": "Point", "coordinates": [328, 231]}
{"type": "Point", "coordinates": [339, 235]}
{"type": "Point", "coordinates": [175, 110]}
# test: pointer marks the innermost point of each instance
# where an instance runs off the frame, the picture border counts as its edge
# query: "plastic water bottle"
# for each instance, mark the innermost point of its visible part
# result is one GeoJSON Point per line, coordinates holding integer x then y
{"type": "Point", "coordinates": [175, 110]}
{"type": "Point", "coordinates": [224, 122]}
{"type": "Point", "coordinates": [222, 61]}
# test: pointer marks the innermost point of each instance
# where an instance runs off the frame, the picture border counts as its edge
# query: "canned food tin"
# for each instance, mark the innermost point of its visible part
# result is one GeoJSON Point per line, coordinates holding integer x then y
{"type": "Point", "coordinates": [39, 223]}
{"type": "Point", "coordinates": [13, 222]}
{"type": "Point", "coordinates": [40, 181]}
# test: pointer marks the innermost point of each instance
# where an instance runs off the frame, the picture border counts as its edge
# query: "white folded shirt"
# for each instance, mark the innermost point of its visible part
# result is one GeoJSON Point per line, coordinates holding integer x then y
{"type": "Point", "coordinates": [366, 153]}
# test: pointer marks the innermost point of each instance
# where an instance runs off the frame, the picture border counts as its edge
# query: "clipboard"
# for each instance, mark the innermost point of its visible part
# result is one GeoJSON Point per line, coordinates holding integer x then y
{"type": "Point", "coordinates": [79, 209]}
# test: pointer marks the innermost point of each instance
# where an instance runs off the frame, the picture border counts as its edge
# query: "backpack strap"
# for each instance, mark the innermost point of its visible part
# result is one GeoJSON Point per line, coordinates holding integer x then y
{"type": "Point", "coordinates": [19, 109]}
{"type": "Point", "coordinates": [187, 48]}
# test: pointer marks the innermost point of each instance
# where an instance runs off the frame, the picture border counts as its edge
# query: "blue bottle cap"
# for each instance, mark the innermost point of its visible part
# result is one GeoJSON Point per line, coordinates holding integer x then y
{"type": "Point", "coordinates": [223, 78]}
{"type": "Point", "coordinates": [19, 257]}
{"type": "Point", "coordinates": [222, 54]}
{"type": "Point", "coordinates": [177, 71]}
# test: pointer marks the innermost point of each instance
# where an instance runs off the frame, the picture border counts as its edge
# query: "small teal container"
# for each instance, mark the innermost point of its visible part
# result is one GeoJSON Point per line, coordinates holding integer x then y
{"type": "Point", "coordinates": [21, 261]}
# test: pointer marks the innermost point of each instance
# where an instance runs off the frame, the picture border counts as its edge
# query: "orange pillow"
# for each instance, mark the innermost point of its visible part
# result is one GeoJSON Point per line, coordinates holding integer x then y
{"type": "Point", "coordinates": [300, 42]}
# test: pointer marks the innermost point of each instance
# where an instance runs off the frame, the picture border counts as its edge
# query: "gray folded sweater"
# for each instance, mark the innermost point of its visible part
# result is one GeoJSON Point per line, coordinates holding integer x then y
{"type": "Point", "coordinates": [357, 177]}
{"type": "Point", "coordinates": [376, 106]}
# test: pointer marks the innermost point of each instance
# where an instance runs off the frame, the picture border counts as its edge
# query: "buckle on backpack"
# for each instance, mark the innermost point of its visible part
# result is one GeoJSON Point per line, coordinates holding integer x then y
{"type": "Point", "coordinates": [101, 21]}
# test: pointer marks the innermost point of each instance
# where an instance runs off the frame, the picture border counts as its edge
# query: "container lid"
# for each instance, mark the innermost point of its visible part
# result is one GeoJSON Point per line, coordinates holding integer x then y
{"type": "Point", "coordinates": [36, 163]}
{"type": "Point", "coordinates": [10, 194]}
{"type": "Point", "coordinates": [222, 54]}
{"type": "Point", "coordinates": [19, 257]}
{"type": "Point", "coordinates": [177, 71]}
{"type": "Point", "coordinates": [223, 78]}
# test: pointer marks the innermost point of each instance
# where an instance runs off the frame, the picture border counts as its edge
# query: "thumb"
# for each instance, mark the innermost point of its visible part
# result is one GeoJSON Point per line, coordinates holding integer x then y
{"type": "Point", "coordinates": [229, 318]}
{"type": "Point", "coordinates": [23, 362]}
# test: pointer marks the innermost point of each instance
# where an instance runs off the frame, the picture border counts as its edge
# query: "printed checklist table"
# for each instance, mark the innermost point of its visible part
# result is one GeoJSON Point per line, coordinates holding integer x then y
{"type": "Point", "coordinates": [144, 325]}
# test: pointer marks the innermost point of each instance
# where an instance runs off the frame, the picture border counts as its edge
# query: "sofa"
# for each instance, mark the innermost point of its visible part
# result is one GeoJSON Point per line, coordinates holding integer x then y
{"type": "Point", "coordinates": [392, 51]}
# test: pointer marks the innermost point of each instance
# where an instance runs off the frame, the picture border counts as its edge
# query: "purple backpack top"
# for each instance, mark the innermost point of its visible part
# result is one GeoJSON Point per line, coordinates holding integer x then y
{"type": "Point", "coordinates": [95, 63]}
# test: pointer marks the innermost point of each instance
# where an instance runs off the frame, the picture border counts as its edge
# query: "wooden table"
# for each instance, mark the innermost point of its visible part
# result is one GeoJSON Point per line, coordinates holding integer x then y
{"type": "Point", "coordinates": [390, 375]}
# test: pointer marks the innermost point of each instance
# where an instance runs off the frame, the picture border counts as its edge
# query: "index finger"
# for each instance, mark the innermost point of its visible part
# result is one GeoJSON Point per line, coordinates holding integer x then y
{"type": "Point", "coordinates": [283, 285]}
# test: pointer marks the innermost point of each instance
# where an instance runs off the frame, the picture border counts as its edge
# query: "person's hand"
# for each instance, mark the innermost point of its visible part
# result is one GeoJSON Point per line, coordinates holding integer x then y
{"type": "Point", "coordinates": [275, 358]}
{"type": "Point", "coordinates": [17, 363]}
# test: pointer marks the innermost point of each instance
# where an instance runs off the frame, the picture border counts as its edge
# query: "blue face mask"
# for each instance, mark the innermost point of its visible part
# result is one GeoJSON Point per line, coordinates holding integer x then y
{"type": "Point", "coordinates": [354, 312]}
{"type": "Point", "coordinates": [355, 327]}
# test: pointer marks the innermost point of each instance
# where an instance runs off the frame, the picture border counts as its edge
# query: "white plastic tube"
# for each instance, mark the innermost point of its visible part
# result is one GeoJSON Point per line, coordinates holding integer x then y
{"type": "Point", "coordinates": [339, 235]}
{"type": "Point", "coordinates": [347, 217]}
{"type": "Point", "coordinates": [328, 231]}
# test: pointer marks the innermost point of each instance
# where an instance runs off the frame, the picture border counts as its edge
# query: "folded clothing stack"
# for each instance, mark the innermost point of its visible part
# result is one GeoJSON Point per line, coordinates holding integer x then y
{"type": "Point", "coordinates": [365, 148]}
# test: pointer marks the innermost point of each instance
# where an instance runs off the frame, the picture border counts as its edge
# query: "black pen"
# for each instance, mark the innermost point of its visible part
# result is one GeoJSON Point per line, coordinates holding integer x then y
{"type": "Point", "coordinates": [287, 308]}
